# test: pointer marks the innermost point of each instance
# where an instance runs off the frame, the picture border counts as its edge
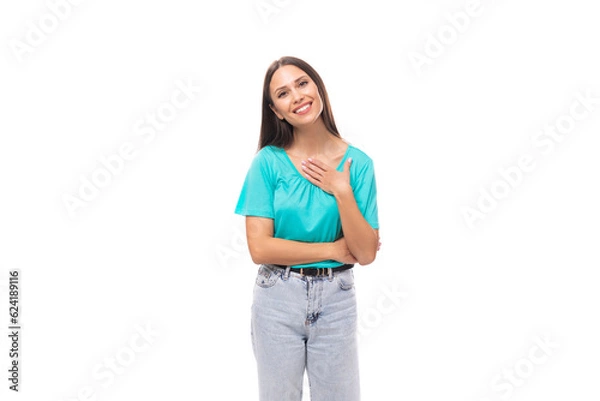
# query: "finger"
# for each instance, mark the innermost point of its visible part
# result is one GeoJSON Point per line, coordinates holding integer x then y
{"type": "Point", "coordinates": [347, 166]}
{"type": "Point", "coordinates": [309, 175]}
{"type": "Point", "coordinates": [317, 163]}
{"type": "Point", "coordinates": [313, 171]}
{"type": "Point", "coordinates": [312, 179]}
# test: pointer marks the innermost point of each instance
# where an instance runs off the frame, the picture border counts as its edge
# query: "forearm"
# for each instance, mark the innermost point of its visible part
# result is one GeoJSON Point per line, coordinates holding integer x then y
{"type": "Point", "coordinates": [361, 238]}
{"type": "Point", "coordinates": [286, 252]}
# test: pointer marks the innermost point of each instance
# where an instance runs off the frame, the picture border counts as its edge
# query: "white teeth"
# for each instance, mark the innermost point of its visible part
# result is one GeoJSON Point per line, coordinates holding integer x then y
{"type": "Point", "coordinates": [300, 110]}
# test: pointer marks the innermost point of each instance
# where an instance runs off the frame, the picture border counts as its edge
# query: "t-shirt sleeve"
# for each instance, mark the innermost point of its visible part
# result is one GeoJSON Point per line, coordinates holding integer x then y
{"type": "Point", "coordinates": [365, 193]}
{"type": "Point", "coordinates": [256, 197]}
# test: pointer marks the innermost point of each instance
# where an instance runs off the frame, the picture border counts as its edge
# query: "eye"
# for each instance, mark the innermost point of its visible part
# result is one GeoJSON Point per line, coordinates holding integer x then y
{"type": "Point", "coordinates": [281, 94]}
{"type": "Point", "coordinates": [303, 83]}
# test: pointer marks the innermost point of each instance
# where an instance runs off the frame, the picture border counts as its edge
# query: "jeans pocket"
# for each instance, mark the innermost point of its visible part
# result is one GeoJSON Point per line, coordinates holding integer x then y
{"type": "Point", "coordinates": [346, 279]}
{"type": "Point", "coordinates": [266, 277]}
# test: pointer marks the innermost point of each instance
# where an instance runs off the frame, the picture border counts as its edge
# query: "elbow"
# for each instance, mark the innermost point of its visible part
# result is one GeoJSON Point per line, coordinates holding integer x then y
{"type": "Point", "coordinates": [367, 259]}
{"type": "Point", "coordinates": [365, 262]}
{"type": "Point", "coordinates": [257, 253]}
{"type": "Point", "coordinates": [256, 257]}
{"type": "Point", "coordinates": [369, 255]}
{"type": "Point", "coordinates": [365, 256]}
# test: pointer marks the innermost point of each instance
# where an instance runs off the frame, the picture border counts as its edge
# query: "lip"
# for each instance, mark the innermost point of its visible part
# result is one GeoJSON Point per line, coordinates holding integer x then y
{"type": "Point", "coordinates": [301, 106]}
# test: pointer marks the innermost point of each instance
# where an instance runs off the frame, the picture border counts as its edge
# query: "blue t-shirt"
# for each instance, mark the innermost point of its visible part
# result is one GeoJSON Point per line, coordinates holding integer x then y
{"type": "Point", "coordinates": [301, 211]}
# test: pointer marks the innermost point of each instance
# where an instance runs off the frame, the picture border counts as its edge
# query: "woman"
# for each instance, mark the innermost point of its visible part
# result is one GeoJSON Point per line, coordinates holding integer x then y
{"type": "Point", "coordinates": [310, 204]}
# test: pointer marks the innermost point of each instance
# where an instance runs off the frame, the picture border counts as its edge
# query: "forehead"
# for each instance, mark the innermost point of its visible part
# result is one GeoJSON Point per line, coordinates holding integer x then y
{"type": "Point", "coordinates": [286, 75]}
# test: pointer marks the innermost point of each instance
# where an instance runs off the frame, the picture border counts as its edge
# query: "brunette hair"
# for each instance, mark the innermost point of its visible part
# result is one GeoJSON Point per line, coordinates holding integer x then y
{"type": "Point", "coordinates": [280, 133]}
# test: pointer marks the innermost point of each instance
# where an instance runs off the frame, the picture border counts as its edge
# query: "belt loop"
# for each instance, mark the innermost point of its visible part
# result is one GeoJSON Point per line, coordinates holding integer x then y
{"type": "Point", "coordinates": [286, 275]}
{"type": "Point", "coordinates": [330, 271]}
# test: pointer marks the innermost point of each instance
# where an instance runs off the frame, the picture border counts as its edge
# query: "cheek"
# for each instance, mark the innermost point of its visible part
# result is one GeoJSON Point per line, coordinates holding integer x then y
{"type": "Point", "coordinates": [280, 106]}
{"type": "Point", "coordinates": [317, 95]}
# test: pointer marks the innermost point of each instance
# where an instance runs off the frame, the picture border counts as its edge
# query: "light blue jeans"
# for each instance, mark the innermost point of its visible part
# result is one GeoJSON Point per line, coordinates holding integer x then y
{"type": "Point", "coordinates": [305, 322]}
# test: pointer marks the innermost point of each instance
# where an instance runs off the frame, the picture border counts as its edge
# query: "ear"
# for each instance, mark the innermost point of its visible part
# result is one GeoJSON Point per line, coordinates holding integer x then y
{"type": "Point", "coordinates": [279, 116]}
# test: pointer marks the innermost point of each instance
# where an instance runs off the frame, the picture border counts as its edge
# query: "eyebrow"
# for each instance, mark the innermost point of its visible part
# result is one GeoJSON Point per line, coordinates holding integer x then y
{"type": "Point", "coordinates": [284, 86]}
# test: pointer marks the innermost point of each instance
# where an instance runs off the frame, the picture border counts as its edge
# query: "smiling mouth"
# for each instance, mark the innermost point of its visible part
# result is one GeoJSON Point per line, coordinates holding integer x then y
{"type": "Point", "coordinates": [303, 109]}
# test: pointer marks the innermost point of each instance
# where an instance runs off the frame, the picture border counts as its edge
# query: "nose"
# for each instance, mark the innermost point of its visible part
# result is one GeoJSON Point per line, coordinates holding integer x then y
{"type": "Point", "coordinates": [297, 96]}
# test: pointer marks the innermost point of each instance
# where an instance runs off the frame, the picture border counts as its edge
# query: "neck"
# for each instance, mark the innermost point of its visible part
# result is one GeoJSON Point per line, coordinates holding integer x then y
{"type": "Point", "coordinates": [312, 140]}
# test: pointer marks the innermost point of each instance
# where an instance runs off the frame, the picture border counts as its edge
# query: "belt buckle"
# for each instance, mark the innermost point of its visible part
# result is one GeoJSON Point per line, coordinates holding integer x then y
{"type": "Point", "coordinates": [302, 272]}
{"type": "Point", "coordinates": [320, 271]}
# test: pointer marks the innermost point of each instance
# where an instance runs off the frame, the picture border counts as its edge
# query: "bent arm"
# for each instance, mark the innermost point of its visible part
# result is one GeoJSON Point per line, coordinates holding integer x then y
{"type": "Point", "coordinates": [361, 238]}
{"type": "Point", "coordinates": [264, 248]}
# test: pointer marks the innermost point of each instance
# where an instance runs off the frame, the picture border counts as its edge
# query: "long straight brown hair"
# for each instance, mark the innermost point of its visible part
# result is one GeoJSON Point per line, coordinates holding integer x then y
{"type": "Point", "coordinates": [280, 133]}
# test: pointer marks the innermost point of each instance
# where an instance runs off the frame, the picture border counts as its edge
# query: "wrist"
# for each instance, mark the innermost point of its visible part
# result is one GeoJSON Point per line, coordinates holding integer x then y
{"type": "Point", "coordinates": [343, 192]}
{"type": "Point", "coordinates": [332, 251]}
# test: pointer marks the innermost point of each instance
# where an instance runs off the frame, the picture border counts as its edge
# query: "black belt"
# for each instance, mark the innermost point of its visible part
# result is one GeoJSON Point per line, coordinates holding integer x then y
{"type": "Point", "coordinates": [321, 271]}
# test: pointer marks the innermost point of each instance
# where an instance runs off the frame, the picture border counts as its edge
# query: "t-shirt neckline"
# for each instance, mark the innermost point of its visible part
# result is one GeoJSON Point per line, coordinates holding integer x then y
{"type": "Point", "coordinates": [293, 166]}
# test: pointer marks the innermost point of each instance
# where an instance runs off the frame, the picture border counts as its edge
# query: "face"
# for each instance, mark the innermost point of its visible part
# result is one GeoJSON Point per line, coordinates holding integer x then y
{"type": "Point", "coordinates": [295, 96]}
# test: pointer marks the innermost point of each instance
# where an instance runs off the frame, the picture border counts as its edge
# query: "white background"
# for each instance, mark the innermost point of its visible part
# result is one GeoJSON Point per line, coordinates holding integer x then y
{"type": "Point", "coordinates": [160, 245]}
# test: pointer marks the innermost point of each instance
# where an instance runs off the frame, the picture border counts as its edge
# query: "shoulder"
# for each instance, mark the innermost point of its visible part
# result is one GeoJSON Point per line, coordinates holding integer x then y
{"type": "Point", "coordinates": [267, 154]}
{"type": "Point", "coordinates": [358, 155]}
{"type": "Point", "coordinates": [267, 151]}
{"type": "Point", "coordinates": [268, 158]}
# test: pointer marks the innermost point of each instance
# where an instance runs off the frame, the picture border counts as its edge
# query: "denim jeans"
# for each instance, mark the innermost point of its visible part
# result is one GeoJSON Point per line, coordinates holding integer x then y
{"type": "Point", "coordinates": [305, 322]}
